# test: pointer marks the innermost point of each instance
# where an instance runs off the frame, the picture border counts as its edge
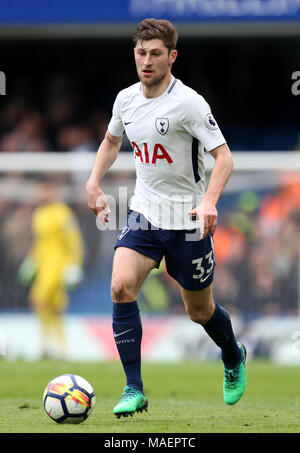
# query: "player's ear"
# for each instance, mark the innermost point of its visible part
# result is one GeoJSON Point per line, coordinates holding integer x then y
{"type": "Point", "coordinates": [173, 55]}
{"type": "Point", "coordinates": [134, 50]}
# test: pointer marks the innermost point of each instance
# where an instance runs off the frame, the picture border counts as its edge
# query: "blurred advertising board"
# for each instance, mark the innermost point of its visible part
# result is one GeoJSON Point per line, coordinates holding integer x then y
{"type": "Point", "coordinates": [20, 12]}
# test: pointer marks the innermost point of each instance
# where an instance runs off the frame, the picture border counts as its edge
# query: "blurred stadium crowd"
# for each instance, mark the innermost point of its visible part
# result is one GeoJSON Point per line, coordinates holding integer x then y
{"type": "Point", "coordinates": [57, 126]}
{"type": "Point", "coordinates": [257, 250]}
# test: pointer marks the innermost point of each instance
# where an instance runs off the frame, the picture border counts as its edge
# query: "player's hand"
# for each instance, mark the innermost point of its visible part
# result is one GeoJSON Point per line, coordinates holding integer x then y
{"type": "Point", "coordinates": [27, 271]}
{"type": "Point", "coordinates": [97, 202]}
{"type": "Point", "coordinates": [73, 275]}
{"type": "Point", "coordinates": [207, 214]}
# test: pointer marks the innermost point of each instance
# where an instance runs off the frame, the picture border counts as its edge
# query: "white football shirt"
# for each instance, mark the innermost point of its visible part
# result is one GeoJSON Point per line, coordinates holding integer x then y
{"type": "Point", "coordinates": [168, 135]}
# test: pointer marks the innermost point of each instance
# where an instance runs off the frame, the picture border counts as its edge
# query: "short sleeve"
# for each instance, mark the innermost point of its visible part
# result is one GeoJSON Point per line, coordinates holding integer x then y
{"type": "Point", "coordinates": [198, 120]}
{"type": "Point", "coordinates": [115, 126]}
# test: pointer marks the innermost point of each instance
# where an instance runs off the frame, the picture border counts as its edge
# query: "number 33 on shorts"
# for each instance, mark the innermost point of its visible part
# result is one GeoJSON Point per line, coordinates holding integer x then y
{"type": "Point", "coordinates": [204, 266]}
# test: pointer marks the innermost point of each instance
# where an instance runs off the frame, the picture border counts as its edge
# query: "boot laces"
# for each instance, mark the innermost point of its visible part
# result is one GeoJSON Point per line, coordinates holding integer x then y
{"type": "Point", "coordinates": [231, 377]}
{"type": "Point", "coordinates": [129, 393]}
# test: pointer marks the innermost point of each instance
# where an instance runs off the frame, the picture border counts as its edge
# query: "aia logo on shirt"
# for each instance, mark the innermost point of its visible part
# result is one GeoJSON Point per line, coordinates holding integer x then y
{"type": "Point", "coordinates": [162, 125]}
{"type": "Point", "coordinates": [150, 157]}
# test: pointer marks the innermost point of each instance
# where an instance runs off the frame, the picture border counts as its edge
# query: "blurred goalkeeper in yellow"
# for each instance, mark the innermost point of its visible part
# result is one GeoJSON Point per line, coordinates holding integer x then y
{"type": "Point", "coordinates": [52, 266]}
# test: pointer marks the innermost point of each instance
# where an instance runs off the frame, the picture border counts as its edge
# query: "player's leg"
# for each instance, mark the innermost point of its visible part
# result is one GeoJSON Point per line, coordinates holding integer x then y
{"type": "Point", "coordinates": [216, 322]}
{"type": "Point", "coordinates": [202, 309]}
{"type": "Point", "coordinates": [130, 268]}
{"type": "Point", "coordinates": [190, 260]}
{"type": "Point", "coordinates": [59, 334]}
{"type": "Point", "coordinates": [58, 305]}
{"type": "Point", "coordinates": [44, 319]}
{"type": "Point", "coordinates": [38, 297]}
{"type": "Point", "coordinates": [49, 299]}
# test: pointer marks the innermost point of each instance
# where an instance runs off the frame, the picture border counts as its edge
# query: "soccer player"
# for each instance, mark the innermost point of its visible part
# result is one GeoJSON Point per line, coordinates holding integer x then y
{"type": "Point", "coordinates": [52, 265]}
{"type": "Point", "coordinates": [171, 214]}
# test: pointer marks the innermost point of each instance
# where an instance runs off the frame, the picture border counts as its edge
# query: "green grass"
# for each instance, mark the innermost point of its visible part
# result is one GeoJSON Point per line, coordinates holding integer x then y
{"type": "Point", "coordinates": [183, 398]}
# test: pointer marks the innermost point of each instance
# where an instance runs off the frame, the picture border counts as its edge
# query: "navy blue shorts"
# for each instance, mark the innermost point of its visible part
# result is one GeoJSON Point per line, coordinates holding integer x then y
{"type": "Point", "coordinates": [189, 259]}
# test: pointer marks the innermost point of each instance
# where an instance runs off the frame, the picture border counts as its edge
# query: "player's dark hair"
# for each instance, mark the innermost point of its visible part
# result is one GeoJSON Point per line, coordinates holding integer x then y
{"type": "Point", "coordinates": [157, 29]}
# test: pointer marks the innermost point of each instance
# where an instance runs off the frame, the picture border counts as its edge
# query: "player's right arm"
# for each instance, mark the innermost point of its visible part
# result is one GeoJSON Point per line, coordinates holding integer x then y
{"type": "Point", "coordinates": [105, 157]}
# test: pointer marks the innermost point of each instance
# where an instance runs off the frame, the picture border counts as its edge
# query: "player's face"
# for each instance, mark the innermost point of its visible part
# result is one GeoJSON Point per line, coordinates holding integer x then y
{"type": "Point", "coordinates": [47, 193]}
{"type": "Point", "coordinates": [153, 61]}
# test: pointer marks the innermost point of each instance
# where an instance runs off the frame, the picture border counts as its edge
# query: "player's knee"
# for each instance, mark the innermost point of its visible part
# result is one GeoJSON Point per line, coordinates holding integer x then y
{"type": "Point", "coordinates": [199, 315]}
{"type": "Point", "coordinates": [122, 291]}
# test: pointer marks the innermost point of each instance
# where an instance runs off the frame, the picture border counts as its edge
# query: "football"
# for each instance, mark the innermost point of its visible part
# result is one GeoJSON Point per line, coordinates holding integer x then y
{"type": "Point", "coordinates": [69, 399]}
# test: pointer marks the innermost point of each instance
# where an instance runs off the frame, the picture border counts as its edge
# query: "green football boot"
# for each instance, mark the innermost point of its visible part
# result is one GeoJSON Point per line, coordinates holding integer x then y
{"type": "Point", "coordinates": [234, 383]}
{"type": "Point", "coordinates": [131, 401]}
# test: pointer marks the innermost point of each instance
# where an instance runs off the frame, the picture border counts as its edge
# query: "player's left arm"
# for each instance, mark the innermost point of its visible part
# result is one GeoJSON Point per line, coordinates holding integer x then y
{"type": "Point", "coordinates": [207, 211]}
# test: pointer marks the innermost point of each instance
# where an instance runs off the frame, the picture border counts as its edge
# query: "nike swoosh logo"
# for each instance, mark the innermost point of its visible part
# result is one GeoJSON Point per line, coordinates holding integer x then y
{"type": "Point", "coordinates": [128, 122]}
{"type": "Point", "coordinates": [121, 333]}
{"type": "Point", "coordinates": [203, 279]}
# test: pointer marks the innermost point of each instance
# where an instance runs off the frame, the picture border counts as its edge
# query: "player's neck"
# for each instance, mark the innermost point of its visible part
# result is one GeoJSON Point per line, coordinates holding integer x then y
{"type": "Point", "coordinates": [158, 89]}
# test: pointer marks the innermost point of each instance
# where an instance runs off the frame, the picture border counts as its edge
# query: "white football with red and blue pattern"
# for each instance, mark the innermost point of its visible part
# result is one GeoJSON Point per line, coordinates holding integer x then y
{"type": "Point", "coordinates": [69, 399]}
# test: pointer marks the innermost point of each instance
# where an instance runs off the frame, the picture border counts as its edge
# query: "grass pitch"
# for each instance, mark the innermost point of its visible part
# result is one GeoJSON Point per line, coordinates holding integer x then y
{"type": "Point", "coordinates": [183, 398]}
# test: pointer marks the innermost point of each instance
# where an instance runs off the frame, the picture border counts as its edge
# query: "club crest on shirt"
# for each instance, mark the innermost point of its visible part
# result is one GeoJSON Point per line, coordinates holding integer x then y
{"type": "Point", "coordinates": [210, 122]}
{"type": "Point", "coordinates": [162, 125]}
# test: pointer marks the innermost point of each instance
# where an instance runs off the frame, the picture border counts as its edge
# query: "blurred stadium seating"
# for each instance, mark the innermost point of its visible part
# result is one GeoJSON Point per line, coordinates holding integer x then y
{"type": "Point", "coordinates": [59, 97]}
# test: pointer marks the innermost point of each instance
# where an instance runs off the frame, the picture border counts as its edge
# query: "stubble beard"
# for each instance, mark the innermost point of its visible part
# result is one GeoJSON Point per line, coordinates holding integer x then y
{"type": "Point", "coordinates": [153, 82]}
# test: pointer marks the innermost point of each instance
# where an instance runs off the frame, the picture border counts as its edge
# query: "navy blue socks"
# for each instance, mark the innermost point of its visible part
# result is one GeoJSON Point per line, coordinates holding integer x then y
{"type": "Point", "coordinates": [219, 329]}
{"type": "Point", "coordinates": [127, 330]}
